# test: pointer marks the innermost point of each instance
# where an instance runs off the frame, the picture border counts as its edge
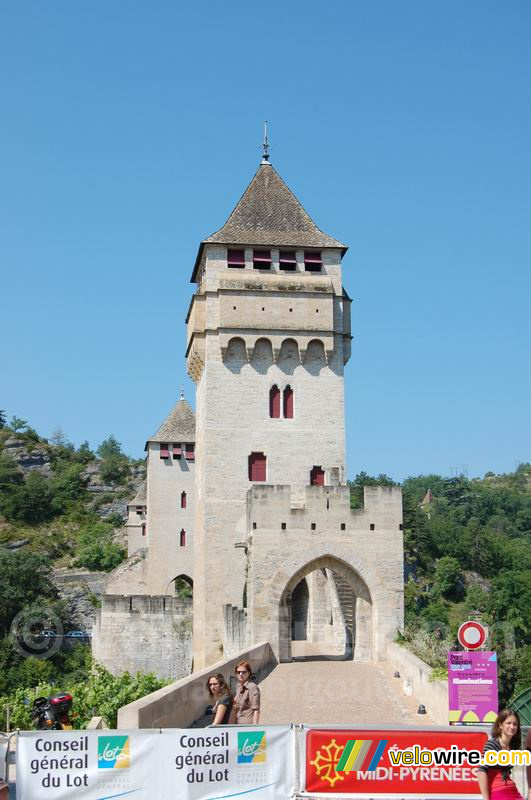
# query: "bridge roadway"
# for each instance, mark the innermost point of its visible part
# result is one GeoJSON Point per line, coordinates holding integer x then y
{"type": "Point", "coordinates": [324, 691]}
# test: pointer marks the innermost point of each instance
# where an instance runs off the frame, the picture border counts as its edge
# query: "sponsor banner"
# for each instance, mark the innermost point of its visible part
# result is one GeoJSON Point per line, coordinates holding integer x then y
{"type": "Point", "coordinates": [367, 764]}
{"type": "Point", "coordinates": [192, 764]}
{"type": "Point", "coordinates": [472, 687]}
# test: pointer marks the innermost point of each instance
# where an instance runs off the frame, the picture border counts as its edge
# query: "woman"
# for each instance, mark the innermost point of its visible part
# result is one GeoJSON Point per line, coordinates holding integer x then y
{"type": "Point", "coordinates": [222, 697]}
{"type": "Point", "coordinates": [495, 783]}
{"type": "Point", "coordinates": [247, 697]}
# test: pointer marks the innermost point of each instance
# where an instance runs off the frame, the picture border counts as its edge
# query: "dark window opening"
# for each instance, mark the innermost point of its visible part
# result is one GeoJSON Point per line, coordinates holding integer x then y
{"type": "Point", "coordinates": [190, 452]}
{"type": "Point", "coordinates": [283, 526]}
{"type": "Point", "coordinates": [140, 510]}
{"type": "Point", "coordinates": [183, 499]}
{"type": "Point", "coordinates": [164, 451]}
{"type": "Point", "coordinates": [288, 402]}
{"type": "Point", "coordinates": [144, 530]}
{"type": "Point", "coordinates": [312, 261]}
{"type": "Point", "coordinates": [288, 260]}
{"type": "Point", "coordinates": [254, 526]}
{"type": "Point", "coordinates": [400, 527]}
{"type": "Point", "coordinates": [343, 526]}
{"type": "Point", "coordinates": [313, 526]}
{"type": "Point", "coordinates": [177, 451]}
{"type": "Point", "coordinates": [317, 477]}
{"type": "Point", "coordinates": [372, 526]}
{"type": "Point", "coordinates": [257, 467]}
{"type": "Point", "coordinates": [236, 259]}
{"type": "Point", "coordinates": [274, 402]}
{"type": "Point", "coordinates": [182, 538]}
{"type": "Point", "coordinates": [261, 259]}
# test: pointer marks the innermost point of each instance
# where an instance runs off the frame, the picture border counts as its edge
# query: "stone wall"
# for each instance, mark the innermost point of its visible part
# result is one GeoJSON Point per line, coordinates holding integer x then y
{"type": "Point", "coordinates": [144, 633]}
{"type": "Point", "coordinates": [415, 680]}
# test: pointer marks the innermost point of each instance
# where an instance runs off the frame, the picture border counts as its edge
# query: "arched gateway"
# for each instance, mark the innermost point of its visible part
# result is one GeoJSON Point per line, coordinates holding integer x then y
{"type": "Point", "coordinates": [351, 562]}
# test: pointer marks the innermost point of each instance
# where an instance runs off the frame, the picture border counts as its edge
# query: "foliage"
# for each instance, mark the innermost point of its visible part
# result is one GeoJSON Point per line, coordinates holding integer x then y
{"type": "Point", "coordinates": [114, 465]}
{"type": "Point", "coordinates": [18, 424]}
{"type": "Point", "coordinates": [26, 579]}
{"type": "Point", "coordinates": [360, 481]}
{"type": "Point", "coordinates": [100, 694]}
{"type": "Point", "coordinates": [3, 418]}
{"type": "Point", "coordinates": [447, 578]}
{"type": "Point", "coordinates": [30, 501]}
{"type": "Point", "coordinates": [96, 548]}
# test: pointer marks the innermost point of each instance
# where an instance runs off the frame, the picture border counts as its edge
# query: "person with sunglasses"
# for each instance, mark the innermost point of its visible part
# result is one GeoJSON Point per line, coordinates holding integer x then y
{"type": "Point", "coordinates": [247, 697]}
{"type": "Point", "coordinates": [222, 697]}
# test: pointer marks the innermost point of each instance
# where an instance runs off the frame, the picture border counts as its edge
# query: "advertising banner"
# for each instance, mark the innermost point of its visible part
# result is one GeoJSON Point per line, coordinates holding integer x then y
{"type": "Point", "coordinates": [192, 764]}
{"type": "Point", "coordinates": [472, 687]}
{"type": "Point", "coordinates": [390, 763]}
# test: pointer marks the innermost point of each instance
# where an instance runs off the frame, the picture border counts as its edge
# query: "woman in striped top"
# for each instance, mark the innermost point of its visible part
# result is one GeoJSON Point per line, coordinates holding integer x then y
{"type": "Point", "coordinates": [495, 783]}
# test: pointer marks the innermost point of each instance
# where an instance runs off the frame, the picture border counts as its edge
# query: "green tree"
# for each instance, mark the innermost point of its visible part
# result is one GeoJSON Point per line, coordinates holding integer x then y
{"type": "Point", "coordinates": [30, 501]}
{"type": "Point", "coordinates": [18, 424]}
{"type": "Point", "coordinates": [448, 577]}
{"type": "Point", "coordinates": [26, 578]}
{"type": "Point", "coordinates": [96, 549]}
{"type": "Point", "coordinates": [3, 419]}
{"type": "Point", "coordinates": [109, 447]}
{"type": "Point", "coordinates": [69, 487]}
{"type": "Point", "coordinates": [363, 479]}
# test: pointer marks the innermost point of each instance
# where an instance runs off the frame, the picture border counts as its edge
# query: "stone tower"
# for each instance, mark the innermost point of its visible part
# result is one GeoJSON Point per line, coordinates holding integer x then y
{"type": "Point", "coordinates": [268, 338]}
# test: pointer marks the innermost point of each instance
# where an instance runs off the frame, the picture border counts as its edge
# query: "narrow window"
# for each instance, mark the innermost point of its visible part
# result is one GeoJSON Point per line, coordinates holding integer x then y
{"type": "Point", "coordinates": [372, 526]}
{"type": "Point", "coordinates": [283, 526]}
{"type": "Point", "coordinates": [257, 467]}
{"type": "Point", "coordinates": [313, 526]}
{"type": "Point", "coordinates": [343, 526]}
{"type": "Point", "coordinates": [274, 402]}
{"type": "Point", "coordinates": [190, 452]}
{"type": "Point", "coordinates": [183, 499]}
{"type": "Point", "coordinates": [312, 261]}
{"type": "Point", "coordinates": [164, 451]}
{"type": "Point", "coordinates": [236, 259]}
{"type": "Point", "coordinates": [143, 530]}
{"type": "Point", "coordinates": [317, 476]}
{"type": "Point", "coordinates": [254, 526]}
{"type": "Point", "coordinates": [140, 510]}
{"type": "Point", "coordinates": [262, 259]}
{"type": "Point", "coordinates": [400, 527]}
{"type": "Point", "coordinates": [288, 402]}
{"type": "Point", "coordinates": [177, 451]}
{"type": "Point", "coordinates": [182, 538]}
{"type": "Point", "coordinates": [288, 260]}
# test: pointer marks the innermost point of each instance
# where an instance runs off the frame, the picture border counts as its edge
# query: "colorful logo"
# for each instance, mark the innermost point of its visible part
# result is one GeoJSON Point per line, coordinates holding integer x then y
{"type": "Point", "coordinates": [361, 754]}
{"type": "Point", "coordinates": [326, 762]}
{"type": "Point", "coordinates": [113, 752]}
{"type": "Point", "coordinates": [251, 747]}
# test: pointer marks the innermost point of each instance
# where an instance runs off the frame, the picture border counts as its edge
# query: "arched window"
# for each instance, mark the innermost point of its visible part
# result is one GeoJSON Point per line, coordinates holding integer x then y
{"type": "Point", "coordinates": [182, 538]}
{"type": "Point", "coordinates": [257, 467]}
{"type": "Point", "coordinates": [183, 499]}
{"type": "Point", "coordinates": [274, 402]}
{"type": "Point", "coordinates": [317, 476]}
{"type": "Point", "coordinates": [288, 402]}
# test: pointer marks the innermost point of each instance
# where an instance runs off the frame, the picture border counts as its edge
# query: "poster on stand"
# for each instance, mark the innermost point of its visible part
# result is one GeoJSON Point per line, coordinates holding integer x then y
{"type": "Point", "coordinates": [191, 764]}
{"type": "Point", "coordinates": [472, 687]}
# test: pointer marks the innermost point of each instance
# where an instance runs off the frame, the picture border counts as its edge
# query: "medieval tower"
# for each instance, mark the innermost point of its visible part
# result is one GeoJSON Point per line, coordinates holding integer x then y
{"type": "Point", "coordinates": [248, 499]}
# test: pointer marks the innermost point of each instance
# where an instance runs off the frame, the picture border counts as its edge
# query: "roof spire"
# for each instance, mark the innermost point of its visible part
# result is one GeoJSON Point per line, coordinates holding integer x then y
{"type": "Point", "coordinates": [265, 146]}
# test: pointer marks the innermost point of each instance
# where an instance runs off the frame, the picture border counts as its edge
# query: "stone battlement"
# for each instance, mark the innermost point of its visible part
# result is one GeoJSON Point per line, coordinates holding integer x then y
{"type": "Point", "coordinates": [145, 604]}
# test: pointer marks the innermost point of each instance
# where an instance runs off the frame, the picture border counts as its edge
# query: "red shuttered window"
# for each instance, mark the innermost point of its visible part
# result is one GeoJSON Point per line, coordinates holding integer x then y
{"type": "Point", "coordinates": [182, 538]}
{"type": "Point", "coordinates": [257, 467]}
{"type": "Point", "coordinates": [140, 510]}
{"type": "Point", "coordinates": [262, 259]}
{"type": "Point", "coordinates": [164, 451]}
{"type": "Point", "coordinates": [274, 402]}
{"type": "Point", "coordinates": [177, 452]}
{"type": "Point", "coordinates": [190, 452]}
{"type": "Point", "coordinates": [236, 259]}
{"type": "Point", "coordinates": [317, 476]}
{"type": "Point", "coordinates": [183, 499]}
{"type": "Point", "coordinates": [288, 402]}
{"type": "Point", "coordinates": [312, 261]}
{"type": "Point", "coordinates": [288, 260]}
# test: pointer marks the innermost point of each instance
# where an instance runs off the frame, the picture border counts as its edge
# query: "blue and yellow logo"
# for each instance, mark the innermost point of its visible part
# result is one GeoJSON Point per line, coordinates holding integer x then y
{"type": "Point", "coordinates": [252, 747]}
{"type": "Point", "coordinates": [113, 752]}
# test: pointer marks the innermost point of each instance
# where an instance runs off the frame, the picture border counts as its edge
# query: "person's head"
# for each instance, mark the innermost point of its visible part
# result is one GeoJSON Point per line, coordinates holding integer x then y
{"type": "Point", "coordinates": [243, 671]}
{"type": "Point", "coordinates": [507, 724]}
{"type": "Point", "coordinates": [217, 686]}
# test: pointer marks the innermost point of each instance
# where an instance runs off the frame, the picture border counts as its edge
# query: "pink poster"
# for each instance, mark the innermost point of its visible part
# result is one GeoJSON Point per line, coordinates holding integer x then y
{"type": "Point", "coordinates": [472, 687]}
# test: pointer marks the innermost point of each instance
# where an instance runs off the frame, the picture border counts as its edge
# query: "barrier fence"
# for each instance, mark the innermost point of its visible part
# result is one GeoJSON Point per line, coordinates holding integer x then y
{"type": "Point", "coordinates": [268, 762]}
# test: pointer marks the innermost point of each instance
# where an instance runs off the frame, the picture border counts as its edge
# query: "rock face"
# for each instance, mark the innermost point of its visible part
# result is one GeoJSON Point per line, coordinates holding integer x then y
{"type": "Point", "coordinates": [28, 458]}
{"type": "Point", "coordinates": [82, 590]}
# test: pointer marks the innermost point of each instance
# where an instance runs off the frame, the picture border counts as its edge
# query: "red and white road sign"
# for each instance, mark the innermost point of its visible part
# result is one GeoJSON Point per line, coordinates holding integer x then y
{"type": "Point", "coordinates": [472, 635]}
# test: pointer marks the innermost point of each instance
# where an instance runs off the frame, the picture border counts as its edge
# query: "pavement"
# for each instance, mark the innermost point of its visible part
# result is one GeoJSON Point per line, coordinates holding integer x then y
{"type": "Point", "coordinates": [325, 691]}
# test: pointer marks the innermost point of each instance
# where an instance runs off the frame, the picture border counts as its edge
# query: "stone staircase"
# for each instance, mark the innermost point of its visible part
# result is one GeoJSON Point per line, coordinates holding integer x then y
{"type": "Point", "coordinates": [346, 599]}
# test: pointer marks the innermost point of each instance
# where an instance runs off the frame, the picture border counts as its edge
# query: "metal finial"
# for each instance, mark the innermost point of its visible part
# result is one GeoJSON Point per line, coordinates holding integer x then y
{"type": "Point", "coordinates": [182, 392]}
{"type": "Point", "coordinates": [265, 146]}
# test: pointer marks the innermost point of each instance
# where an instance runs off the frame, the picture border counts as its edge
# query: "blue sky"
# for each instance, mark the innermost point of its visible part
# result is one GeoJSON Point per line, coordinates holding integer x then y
{"type": "Point", "coordinates": [129, 131]}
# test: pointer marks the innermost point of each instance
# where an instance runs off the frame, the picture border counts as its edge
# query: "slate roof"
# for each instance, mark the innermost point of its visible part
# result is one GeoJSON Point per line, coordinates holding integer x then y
{"type": "Point", "coordinates": [179, 425]}
{"type": "Point", "coordinates": [269, 214]}
{"type": "Point", "coordinates": [140, 498]}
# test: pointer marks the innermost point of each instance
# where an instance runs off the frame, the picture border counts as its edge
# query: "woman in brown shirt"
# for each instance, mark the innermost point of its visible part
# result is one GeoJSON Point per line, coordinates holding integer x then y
{"type": "Point", "coordinates": [247, 697]}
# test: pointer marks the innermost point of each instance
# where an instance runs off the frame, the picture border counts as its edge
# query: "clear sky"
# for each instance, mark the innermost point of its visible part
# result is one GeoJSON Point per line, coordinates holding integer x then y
{"type": "Point", "coordinates": [130, 129]}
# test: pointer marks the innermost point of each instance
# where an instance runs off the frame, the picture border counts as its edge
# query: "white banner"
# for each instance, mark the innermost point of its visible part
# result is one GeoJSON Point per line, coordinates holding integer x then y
{"type": "Point", "coordinates": [192, 764]}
